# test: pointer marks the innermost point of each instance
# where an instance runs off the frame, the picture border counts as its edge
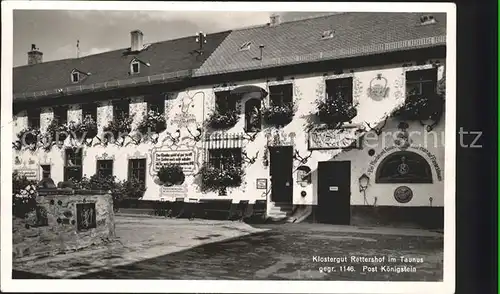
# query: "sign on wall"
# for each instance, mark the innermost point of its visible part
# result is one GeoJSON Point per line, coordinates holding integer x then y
{"type": "Point", "coordinates": [183, 158]}
{"type": "Point", "coordinates": [173, 191]}
{"type": "Point", "coordinates": [30, 174]}
{"type": "Point", "coordinates": [332, 139]}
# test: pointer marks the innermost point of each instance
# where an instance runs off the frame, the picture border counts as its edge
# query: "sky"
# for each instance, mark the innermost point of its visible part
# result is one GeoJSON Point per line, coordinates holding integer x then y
{"type": "Point", "coordinates": [55, 32]}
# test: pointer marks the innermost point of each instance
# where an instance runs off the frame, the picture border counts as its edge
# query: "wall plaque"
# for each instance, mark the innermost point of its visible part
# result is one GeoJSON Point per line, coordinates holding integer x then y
{"type": "Point", "coordinates": [403, 194]}
{"type": "Point", "coordinates": [173, 191]}
{"type": "Point", "coordinates": [262, 184]}
{"type": "Point", "coordinates": [184, 158]}
{"type": "Point", "coordinates": [85, 216]}
{"type": "Point", "coordinates": [333, 139]}
{"type": "Point", "coordinates": [30, 174]}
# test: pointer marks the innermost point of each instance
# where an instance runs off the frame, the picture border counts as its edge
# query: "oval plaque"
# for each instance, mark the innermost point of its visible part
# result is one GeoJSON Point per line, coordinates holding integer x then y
{"type": "Point", "coordinates": [403, 194]}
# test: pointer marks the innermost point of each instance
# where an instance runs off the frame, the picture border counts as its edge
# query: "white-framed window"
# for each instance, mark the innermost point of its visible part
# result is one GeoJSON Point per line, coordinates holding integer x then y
{"type": "Point", "coordinates": [75, 77]}
{"type": "Point", "coordinates": [135, 67]}
{"type": "Point", "coordinates": [327, 35]}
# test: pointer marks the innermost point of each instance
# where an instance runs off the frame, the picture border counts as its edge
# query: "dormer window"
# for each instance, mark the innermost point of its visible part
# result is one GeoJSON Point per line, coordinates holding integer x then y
{"type": "Point", "coordinates": [427, 19]}
{"type": "Point", "coordinates": [75, 77]}
{"type": "Point", "coordinates": [78, 75]}
{"type": "Point", "coordinates": [327, 35]}
{"type": "Point", "coordinates": [245, 46]}
{"type": "Point", "coordinates": [135, 67]}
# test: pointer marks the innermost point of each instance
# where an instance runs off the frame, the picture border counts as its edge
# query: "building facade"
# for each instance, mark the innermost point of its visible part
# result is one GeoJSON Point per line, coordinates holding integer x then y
{"type": "Point", "coordinates": [303, 116]}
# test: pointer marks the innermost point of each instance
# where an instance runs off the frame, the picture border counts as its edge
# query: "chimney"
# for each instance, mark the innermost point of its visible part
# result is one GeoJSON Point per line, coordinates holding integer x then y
{"type": "Point", "coordinates": [274, 19]}
{"type": "Point", "coordinates": [136, 41]}
{"type": "Point", "coordinates": [34, 56]}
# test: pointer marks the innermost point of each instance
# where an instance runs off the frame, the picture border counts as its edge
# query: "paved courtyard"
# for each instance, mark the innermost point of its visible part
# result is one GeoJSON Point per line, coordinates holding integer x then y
{"type": "Point", "coordinates": [151, 248]}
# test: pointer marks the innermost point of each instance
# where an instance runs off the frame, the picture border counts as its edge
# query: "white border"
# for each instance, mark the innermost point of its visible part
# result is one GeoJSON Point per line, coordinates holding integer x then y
{"type": "Point", "coordinates": [183, 286]}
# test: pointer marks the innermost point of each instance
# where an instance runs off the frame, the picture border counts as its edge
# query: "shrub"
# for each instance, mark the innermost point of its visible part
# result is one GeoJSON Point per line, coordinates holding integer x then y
{"type": "Point", "coordinates": [171, 174]}
{"type": "Point", "coordinates": [23, 195]}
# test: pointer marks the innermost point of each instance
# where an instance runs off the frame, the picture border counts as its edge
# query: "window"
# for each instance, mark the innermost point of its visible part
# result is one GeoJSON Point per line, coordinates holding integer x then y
{"type": "Point", "coordinates": [281, 94]}
{"type": "Point", "coordinates": [220, 158]}
{"type": "Point", "coordinates": [75, 77]}
{"type": "Point", "coordinates": [73, 164]}
{"type": "Point", "coordinates": [427, 19]}
{"type": "Point", "coordinates": [252, 115]}
{"type": "Point", "coordinates": [90, 109]}
{"type": "Point", "coordinates": [105, 168]}
{"type": "Point", "coordinates": [339, 89]}
{"type": "Point", "coordinates": [137, 169]}
{"type": "Point", "coordinates": [45, 171]}
{"type": "Point", "coordinates": [34, 118]}
{"type": "Point", "coordinates": [223, 102]}
{"type": "Point", "coordinates": [156, 104]}
{"type": "Point", "coordinates": [403, 167]}
{"type": "Point", "coordinates": [61, 114]}
{"type": "Point", "coordinates": [134, 67]}
{"type": "Point", "coordinates": [120, 108]}
{"type": "Point", "coordinates": [245, 46]}
{"type": "Point", "coordinates": [421, 82]}
{"type": "Point", "coordinates": [327, 35]}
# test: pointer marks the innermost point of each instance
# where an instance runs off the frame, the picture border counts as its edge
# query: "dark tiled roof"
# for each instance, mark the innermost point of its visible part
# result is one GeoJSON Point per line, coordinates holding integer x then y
{"type": "Point", "coordinates": [354, 34]}
{"type": "Point", "coordinates": [173, 57]}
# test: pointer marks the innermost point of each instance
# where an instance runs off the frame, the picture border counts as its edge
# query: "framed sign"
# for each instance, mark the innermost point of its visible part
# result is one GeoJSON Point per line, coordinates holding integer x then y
{"type": "Point", "coordinates": [333, 139]}
{"type": "Point", "coordinates": [262, 184]}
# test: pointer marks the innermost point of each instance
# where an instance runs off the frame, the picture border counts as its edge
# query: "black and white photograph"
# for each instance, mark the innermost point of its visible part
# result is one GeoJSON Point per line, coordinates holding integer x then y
{"type": "Point", "coordinates": [205, 146]}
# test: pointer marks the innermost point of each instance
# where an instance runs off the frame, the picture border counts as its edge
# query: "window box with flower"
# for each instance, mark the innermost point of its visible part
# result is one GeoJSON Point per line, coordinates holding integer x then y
{"type": "Point", "coordinates": [86, 129]}
{"type": "Point", "coordinates": [335, 111]}
{"type": "Point", "coordinates": [27, 137]}
{"type": "Point", "coordinates": [171, 174]}
{"type": "Point", "coordinates": [119, 127]}
{"type": "Point", "coordinates": [56, 132]}
{"type": "Point", "coordinates": [153, 121]}
{"type": "Point", "coordinates": [215, 179]}
{"type": "Point", "coordinates": [223, 119]}
{"type": "Point", "coordinates": [279, 115]}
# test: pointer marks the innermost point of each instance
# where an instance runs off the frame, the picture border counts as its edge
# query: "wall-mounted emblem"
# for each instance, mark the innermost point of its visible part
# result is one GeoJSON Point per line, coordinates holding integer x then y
{"type": "Point", "coordinates": [378, 89]}
{"type": "Point", "coordinates": [261, 184]}
{"type": "Point", "coordinates": [17, 161]}
{"type": "Point", "coordinates": [403, 194]}
{"type": "Point", "coordinates": [403, 168]}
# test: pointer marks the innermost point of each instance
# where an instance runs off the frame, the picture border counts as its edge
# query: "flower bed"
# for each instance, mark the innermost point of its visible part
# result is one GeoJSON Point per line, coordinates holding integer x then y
{"type": "Point", "coordinates": [279, 115]}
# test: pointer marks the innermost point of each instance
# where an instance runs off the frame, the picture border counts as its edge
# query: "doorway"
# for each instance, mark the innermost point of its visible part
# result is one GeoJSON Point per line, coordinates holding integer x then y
{"type": "Point", "coordinates": [334, 192]}
{"type": "Point", "coordinates": [281, 165]}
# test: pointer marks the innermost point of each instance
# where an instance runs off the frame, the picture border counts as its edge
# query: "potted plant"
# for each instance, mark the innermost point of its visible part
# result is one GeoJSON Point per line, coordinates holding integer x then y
{"type": "Point", "coordinates": [152, 121]}
{"type": "Point", "coordinates": [23, 195]}
{"type": "Point", "coordinates": [335, 111]}
{"type": "Point", "coordinates": [223, 119]}
{"type": "Point", "coordinates": [171, 174]}
{"type": "Point", "coordinates": [279, 115]}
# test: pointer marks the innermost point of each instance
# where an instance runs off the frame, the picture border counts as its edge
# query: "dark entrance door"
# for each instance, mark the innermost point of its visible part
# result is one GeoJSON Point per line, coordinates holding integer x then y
{"type": "Point", "coordinates": [281, 173]}
{"type": "Point", "coordinates": [334, 192]}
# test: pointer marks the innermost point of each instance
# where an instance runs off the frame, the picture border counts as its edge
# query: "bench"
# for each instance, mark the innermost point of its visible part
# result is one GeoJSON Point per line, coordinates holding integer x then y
{"type": "Point", "coordinates": [217, 209]}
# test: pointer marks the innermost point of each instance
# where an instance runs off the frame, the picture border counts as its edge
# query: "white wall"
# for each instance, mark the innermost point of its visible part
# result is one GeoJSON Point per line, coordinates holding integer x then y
{"type": "Point", "coordinates": [198, 103]}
